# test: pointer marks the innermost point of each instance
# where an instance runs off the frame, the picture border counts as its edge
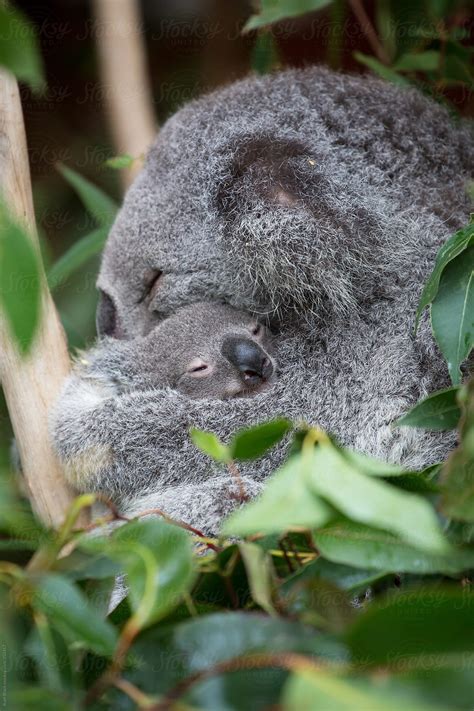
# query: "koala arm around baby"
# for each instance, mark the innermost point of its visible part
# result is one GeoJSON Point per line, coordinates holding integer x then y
{"type": "Point", "coordinates": [122, 443]}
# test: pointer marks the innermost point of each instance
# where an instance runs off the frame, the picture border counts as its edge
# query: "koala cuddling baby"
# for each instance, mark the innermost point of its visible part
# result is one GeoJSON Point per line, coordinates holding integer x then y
{"type": "Point", "coordinates": [205, 350]}
{"type": "Point", "coordinates": [316, 198]}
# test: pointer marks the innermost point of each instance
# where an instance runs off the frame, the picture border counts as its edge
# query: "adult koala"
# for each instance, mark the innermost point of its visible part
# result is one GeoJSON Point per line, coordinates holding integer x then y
{"type": "Point", "coordinates": [317, 199]}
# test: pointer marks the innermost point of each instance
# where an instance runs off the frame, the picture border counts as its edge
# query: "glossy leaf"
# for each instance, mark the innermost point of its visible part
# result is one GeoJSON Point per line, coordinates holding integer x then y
{"type": "Point", "coordinates": [19, 280]}
{"type": "Point", "coordinates": [285, 503]}
{"type": "Point", "coordinates": [157, 559]}
{"type": "Point", "coordinates": [356, 545]}
{"type": "Point", "coordinates": [199, 644]}
{"type": "Point", "coordinates": [96, 202]}
{"type": "Point", "coordinates": [71, 613]}
{"type": "Point", "coordinates": [259, 574]}
{"type": "Point", "coordinates": [414, 625]}
{"type": "Point", "coordinates": [210, 444]}
{"type": "Point", "coordinates": [252, 443]}
{"type": "Point", "coordinates": [319, 689]}
{"type": "Point", "coordinates": [374, 502]}
{"type": "Point", "coordinates": [439, 411]}
{"type": "Point", "coordinates": [455, 245]}
{"type": "Point", "coordinates": [275, 10]}
{"type": "Point", "coordinates": [19, 47]}
{"type": "Point", "coordinates": [452, 312]}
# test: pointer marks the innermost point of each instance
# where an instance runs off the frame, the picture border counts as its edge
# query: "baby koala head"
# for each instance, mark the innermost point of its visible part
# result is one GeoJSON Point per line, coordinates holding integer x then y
{"type": "Point", "coordinates": [205, 350]}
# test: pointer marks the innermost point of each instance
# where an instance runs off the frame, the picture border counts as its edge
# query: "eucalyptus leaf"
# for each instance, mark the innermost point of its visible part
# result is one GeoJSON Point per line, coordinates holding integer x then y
{"type": "Point", "coordinates": [454, 246]}
{"type": "Point", "coordinates": [71, 613]}
{"type": "Point", "coordinates": [19, 47]}
{"type": "Point", "coordinates": [439, 411]}
{"type": "Point", "coordinates": [452, 312]}
{"type": "Point", "coordinates": [364, 547]}
{"type": "Point", "coordinates": [457, 499]}
{"type": "Point", "coordinates": [120, 162]}
{"type": "Point", "coordinates": [381, 69]}
{"type": "Point", "coordinates": [210, 444]}
{"type": "Point", "coordinates": [80, 252]}
{"type": "Point", "coordinates": [374, 502]}
{"type": "Point", "coordinates": [274, 10]}
{"type": "Point", "coordinates": [319, 689]}
{"type": "Point", "coordinates": [416, 624]}
{"type": "Point", "coordinates": [20, 280]}
{"type": "Point", "coordinates": [252, 443]}
{"type": "Point", "coordinates": [259, 572]}
{"type": "Point", "coordinates": [285, 503]}
{"type": "Point", "coordinates": [157, 559]}
{"type": "Point", "coordinates": [428, 61]}
{"type": "Point", "coordinates": [99, 205]}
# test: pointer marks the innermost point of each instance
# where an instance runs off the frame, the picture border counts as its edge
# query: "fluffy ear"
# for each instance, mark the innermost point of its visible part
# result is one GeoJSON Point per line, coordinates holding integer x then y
{"type": "Point", "coordinates": [107, 321]}
{"type": "Point", "coordinates": [298, 237]}
{"type": "Point", "coordinates": [265, 169]}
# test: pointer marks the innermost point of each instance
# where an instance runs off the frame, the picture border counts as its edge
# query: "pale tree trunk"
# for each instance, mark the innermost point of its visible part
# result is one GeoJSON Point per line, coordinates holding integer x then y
{"type": "Point", "coordinates": [31, 383]}
{"type": "Point", "coordinates": [124, 76]}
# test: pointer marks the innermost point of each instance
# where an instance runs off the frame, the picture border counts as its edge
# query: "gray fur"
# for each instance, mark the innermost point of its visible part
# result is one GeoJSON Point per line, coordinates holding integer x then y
{"type": "Point", "coordinates": [317, 200]}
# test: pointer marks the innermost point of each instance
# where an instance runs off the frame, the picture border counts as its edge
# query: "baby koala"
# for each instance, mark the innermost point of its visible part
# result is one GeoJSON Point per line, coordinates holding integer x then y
{"type": "Point", "coordinates": [205, 350]}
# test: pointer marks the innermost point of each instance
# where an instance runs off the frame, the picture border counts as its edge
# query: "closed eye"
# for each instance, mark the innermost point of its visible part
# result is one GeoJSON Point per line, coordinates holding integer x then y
{"type": "Point", "coordinates": [152, 280]}
{"type": "Point", "coordinates": [257, 330]}
{"type": "Point", "coordinates": [198, 368]}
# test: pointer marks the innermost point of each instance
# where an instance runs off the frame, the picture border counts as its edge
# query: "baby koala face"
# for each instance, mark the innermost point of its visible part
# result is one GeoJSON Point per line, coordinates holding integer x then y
{"type": "Point", "coordinates": [208, 350]}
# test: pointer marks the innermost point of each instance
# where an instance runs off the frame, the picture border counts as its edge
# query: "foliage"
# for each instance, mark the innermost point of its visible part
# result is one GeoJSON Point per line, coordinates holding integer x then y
{"type": "Point", "coordinates": [19, 279]}
{"type": "Point", "coordinates": [19, 47]}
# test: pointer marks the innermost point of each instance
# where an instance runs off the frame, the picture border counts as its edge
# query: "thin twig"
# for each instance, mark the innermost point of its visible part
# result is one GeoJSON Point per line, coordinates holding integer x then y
{"type": "Point", "coordinates": [290, 661]}
{"type": "Point", "coordinates": [369, 31]}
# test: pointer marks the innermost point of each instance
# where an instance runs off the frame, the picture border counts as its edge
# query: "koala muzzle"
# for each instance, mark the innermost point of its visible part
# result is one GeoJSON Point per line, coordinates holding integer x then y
{"type": "Point", "coordinates": [251, 361]}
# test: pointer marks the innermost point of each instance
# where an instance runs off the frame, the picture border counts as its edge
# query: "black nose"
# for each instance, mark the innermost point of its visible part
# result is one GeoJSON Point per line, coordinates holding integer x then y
{"type": "Point", "coordinates": [251, 361]}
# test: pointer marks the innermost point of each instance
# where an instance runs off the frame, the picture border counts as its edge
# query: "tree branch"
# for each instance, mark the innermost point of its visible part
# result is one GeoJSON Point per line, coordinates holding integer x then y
{"type": "Point", "coordinates": [31, 383]}
{"type": "Point", "coordinates": [125, 80]}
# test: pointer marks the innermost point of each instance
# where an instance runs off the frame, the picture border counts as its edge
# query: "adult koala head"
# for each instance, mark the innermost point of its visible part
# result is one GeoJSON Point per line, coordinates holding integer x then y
{"type": "Point", "coordinates": [280, 195]}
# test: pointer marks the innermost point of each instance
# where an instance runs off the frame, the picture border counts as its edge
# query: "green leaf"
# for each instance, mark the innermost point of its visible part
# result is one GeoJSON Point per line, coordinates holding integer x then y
{"type": "Point", "coordinates": [345, 577]}
{"type": "Point", "coordinates": [428, 61]}
{"type": "Point", "coordinates": [197, 644]}
{"type": "Point", "coordinates": [452, 312]}
{"type": "Point", "coordinates": [320, 689]}
{"type": "Point", "coordinates": [274, 10]}
{"type": "Point", "coordinates": [80, 252]}
{"type": "Point", "coordinates": [252, 443]}
{"type": "Point", "coordinates": [318, 602]}
{"type": "Point", "coordinates": [19, 280]}
{"type": "Point", "coordinates": [455, 245]}
{"type": "Point", "coordinates": [210, 444]}
{"type": "Point", "coordinates": [439, 411]}
{"type": "Point", "coordinates": [264, 53]}
{"type": "Point", "coordinates": [19, 47]}
{"type": "Point", "coordinates": [120, 162]}
{"type": "Point", "coordinates": [259, 574]}
{"type": "Point", "coordinates": [285, 503]}
{"type": "Point", "coordinates": [382, 70]}
{"type": "Point", "coordinates": [414, 625]}
{"type": "Point", "coordinates": [96, 202]}
{"type": "Point", "coordinates": [353, 544]}
{"type": "Point", "coordinates": [157, 559]}
{"type": "Point", "coordinates": [374, 502]}
{"type": "Point", "coordinates": [458, 473]}
{"type": "Point", "coordinates": [71, 613]}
